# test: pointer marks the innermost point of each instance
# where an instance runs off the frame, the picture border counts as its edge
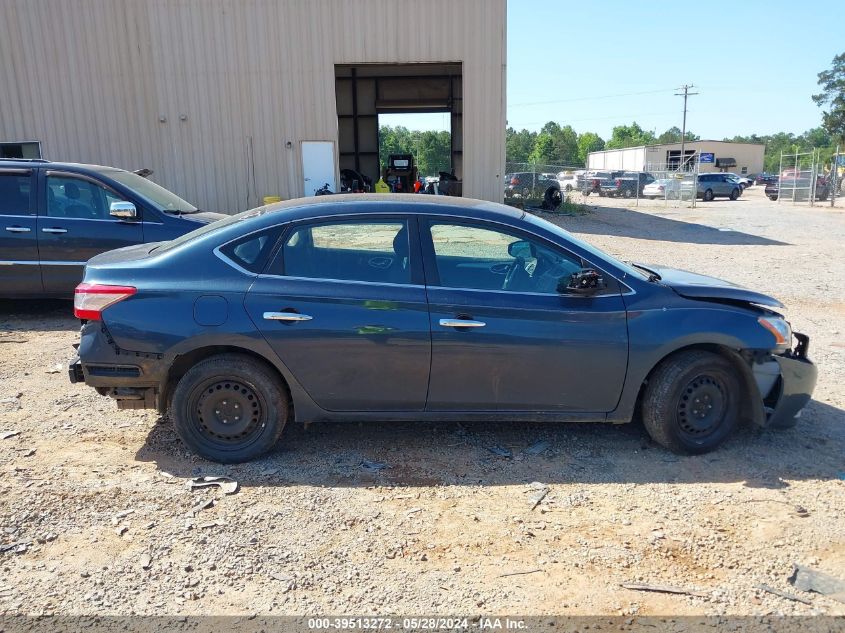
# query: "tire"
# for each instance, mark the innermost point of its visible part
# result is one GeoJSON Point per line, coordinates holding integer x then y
{"type": "Point", "coordinates": [230, 383]}
{"type": "Point", "coordinates": [679, 399]}
{"type": "Point", "coordinates": [708, 195]}
{"type": "Point", "coordinates": [552, 199]}
{"type": "Point", "coordinates": [628, 193]}
{"type": "Point", "coordinates": [652, 197]}
{"type": "Point", "coordinates": [773, 198]}
{"type": "Point", "coordinates": [568, 188]}
{"type": "Point", "coordinates": [587, 193]}
{"type": "Point", "coordinates": [734, 193]}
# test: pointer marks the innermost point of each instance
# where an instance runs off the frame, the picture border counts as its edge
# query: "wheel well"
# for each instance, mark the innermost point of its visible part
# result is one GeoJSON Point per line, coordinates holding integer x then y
{"type": "Point", "coordinates": [184, 362]}
{"type": "Point", "coordinates": [724, 351]}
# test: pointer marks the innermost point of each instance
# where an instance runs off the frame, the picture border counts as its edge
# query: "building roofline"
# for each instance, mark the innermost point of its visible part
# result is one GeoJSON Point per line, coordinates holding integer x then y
{"type": "Point", "coordinates": [704, 140]}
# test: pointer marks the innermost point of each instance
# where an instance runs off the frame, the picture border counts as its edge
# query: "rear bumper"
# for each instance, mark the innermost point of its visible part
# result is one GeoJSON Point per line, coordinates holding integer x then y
{"type": "Point", "coordinates": [798, 376]}
{"type": "Point", "coordinates": [133, 379]}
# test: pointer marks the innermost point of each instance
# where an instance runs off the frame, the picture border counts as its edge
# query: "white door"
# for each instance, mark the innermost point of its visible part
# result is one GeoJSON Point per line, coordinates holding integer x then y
{"type": "Point", "coordinates": [318, 166]}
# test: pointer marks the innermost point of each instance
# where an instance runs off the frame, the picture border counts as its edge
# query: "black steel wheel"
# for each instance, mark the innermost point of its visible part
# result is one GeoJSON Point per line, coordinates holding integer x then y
{"type": "Point", "coordinates": [691, 402]}
{"type": "Point", "coordinates": [229, 408]}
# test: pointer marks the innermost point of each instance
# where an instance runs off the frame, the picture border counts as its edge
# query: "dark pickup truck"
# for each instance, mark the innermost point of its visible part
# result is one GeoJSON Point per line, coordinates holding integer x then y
{"type": "Point", "coordinates": [799, 187]}
{"type": "Point", "coordinates": [626, 184]}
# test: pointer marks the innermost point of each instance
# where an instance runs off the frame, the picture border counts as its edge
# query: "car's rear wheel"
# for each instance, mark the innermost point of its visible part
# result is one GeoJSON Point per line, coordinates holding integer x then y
{"type": "Point", "coordinates": [628, 193]}
{"type": "Point", "coordinates": [691, 402]}
{"type": "Point", "coordinates": [229, 408]}
{"type": "Point", "coordinates": [734, 193]}
{"type": "Point", "coordinates": [773, 198]}
{"type": "Point", "coordinates": [568, 188]}
{"type": "Point", "coordinates": [708, 195]}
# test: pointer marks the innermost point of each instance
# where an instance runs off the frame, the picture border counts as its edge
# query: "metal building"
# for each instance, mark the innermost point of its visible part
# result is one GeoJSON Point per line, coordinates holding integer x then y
{"type": "Point", "coordinates": [739, 158]}
{"type": "Point", "coordinates": [228, 101]}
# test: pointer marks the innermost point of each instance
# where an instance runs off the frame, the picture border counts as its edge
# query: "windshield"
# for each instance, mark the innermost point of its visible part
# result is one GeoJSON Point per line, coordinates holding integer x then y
{"type": "Point", "coordinates": [599, 255]}
{"type": "Point", "coordinates": [156, 195]}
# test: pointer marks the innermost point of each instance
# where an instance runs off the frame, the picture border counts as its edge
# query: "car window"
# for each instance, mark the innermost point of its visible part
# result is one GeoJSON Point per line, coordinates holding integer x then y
{"type": "Point", "coordinates": [251, 252]}
{"type": "Point", "coordinates": [472, 257]}
{"type": "Point", "coordinates": [371, 251]}
{"type": "Point", "coordinates": [15, 194]}
{"type": "Point", "coordinates": [69, 197]}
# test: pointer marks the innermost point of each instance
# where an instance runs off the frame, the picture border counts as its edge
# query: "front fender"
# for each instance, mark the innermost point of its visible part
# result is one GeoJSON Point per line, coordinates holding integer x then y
{"type": "Point", "coordinates": [656, 333]}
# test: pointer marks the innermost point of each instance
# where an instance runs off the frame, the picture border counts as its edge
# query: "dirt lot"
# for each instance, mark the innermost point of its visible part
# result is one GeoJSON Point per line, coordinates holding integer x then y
{"type": "Point", "coordinates": [95, 503]}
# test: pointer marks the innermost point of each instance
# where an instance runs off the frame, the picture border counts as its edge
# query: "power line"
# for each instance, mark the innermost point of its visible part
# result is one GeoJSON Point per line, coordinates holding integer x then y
{"type": "Point", "coordinates": [596, 98]}
{"type": "Point", "coordinates": [685, 94]}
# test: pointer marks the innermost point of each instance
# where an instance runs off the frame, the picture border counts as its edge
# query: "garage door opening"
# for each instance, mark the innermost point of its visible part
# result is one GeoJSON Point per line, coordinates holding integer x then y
{"type": "Point", "coordinates": [426, 96]}
{"type": "Point", "coordinates": [427, 137]}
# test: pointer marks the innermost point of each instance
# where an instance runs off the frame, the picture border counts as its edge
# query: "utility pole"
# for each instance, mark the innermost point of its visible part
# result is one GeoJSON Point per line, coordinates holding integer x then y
{"type": "Point", "coordinates": [685, 94]}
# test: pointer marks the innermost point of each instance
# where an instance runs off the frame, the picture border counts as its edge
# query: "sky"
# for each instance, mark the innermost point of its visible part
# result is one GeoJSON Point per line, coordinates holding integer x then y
{"type": "Point", "coordinates": [597, 64]}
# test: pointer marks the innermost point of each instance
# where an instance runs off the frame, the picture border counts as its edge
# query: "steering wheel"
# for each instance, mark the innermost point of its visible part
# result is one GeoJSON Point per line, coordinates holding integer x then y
{"type": "Point", "coordinates": [518, 265]}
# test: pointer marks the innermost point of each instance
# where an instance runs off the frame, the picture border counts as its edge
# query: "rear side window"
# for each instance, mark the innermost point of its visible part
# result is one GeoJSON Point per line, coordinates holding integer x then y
{"type": "Point", "coordinates": [252, 252]}
{"type": "Point", "coordinates": [15, 192]}
{"type": "Point", "coordinates": [376, 252]}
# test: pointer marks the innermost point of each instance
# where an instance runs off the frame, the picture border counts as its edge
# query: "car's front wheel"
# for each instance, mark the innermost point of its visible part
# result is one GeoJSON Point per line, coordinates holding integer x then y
{"type": "Point", "coordinates": [691, 402]}
{"type": "Point", "coordinates": [229, 408]}
{"type": "Point", "coordinates": [734, 193]}
{"type": "Point", "coordinates": [708, 195]}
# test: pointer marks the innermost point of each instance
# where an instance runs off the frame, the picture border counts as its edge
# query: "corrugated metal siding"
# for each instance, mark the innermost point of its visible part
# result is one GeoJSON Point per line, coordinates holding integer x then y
{"type": "Point", "coordinates": [235, 80]}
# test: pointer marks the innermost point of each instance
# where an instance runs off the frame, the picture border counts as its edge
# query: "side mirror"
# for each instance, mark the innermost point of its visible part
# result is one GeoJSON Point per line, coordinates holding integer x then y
{"type": "Point", "coordinates": [520, 248]}
{"type": "Point", "coordinates": [585, 282]}
{"type": "Point", "coordinates": [123, 210]}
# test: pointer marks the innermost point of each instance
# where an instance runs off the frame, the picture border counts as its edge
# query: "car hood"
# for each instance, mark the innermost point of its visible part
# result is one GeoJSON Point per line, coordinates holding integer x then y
{"type": "Point", "coordinates": [695, 286]}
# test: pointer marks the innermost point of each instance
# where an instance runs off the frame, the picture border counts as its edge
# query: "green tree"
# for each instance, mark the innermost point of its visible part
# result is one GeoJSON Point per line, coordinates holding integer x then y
{"type": "Point", "coordinates": [673, 135]}
{"type": "Point", "coordinates": [544, 149]}
{"type": "Point", "coordinates": [630, 136]}
{"type": "Point", "coordinates": [588, 142]}
{"type": "Point", "coordinates": [832, 97]}
{"type": "Point", "coordinates": [519, 145]}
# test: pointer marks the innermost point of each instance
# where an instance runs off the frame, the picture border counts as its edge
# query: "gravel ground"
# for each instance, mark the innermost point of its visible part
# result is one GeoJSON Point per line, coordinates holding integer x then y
{"type": "Point", "coordinates": [96, 517]}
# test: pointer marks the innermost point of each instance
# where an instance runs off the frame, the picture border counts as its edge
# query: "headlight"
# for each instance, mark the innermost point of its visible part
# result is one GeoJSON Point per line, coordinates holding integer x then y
{"type": "Point", "coordinates": [779, 328]}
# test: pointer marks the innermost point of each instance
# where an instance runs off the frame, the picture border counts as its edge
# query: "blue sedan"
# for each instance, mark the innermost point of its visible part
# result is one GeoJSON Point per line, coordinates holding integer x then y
{"type": "Point", "coordinates": [424, 308]}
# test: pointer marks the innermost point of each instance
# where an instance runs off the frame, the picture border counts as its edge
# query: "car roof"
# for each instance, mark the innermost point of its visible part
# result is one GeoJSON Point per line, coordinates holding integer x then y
{"type": "Point", "coordinates": [29, 163]}
{"type": "Point", "coordinates": [366, 203]}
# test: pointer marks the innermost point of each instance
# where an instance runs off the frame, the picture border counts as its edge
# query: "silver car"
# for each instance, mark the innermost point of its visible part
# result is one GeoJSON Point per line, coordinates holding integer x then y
{"type": "Point", "coordinates": [717, 185]}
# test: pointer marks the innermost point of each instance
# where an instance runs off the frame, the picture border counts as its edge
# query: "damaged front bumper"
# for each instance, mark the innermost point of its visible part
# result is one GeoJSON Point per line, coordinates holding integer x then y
{"type": "Point", "coordinates": [794, 386]}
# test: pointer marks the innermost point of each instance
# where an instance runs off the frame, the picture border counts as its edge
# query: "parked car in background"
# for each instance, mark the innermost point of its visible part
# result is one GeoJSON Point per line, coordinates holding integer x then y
{"type": "Point", "coordinates": [743, 181]}
{"type": "Point", "coordinates": [798, 187]}
{"type": "Point", "coordinates": [56, 216]}
{"type": "Point", "coordinates": [595, 181]}
{"type": "Point", "coordinates": [626, 184]}
{"type": "Point", "coordinates": [571, 180]}
{"type": "Point", "coordinates": [379, 307]}
{"type": "Point", "coordinates": [765, 178]}
{"type": "Point", "coordinates": [527, 184]}
{"type": "Point", "coordinates": [667, 188]}
{"type": "Point", "coordinates": [712, 186]}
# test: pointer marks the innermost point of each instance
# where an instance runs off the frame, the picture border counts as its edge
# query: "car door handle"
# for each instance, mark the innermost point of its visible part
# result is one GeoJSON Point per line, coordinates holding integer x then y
{"type": "Point", "coordinates": [286, 316]}
{"type": "Point", "coordinates": [17, 229]}
{"type": "Point", "coordinates": [54, 230]}
{"type": "Point", "coordinates": [461, 323]}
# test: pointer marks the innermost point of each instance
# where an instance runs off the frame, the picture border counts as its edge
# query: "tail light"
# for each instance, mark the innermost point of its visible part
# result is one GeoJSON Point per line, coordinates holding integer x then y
{"type": "Point", "coordinates": [618, 182]}
{"type": "Point", "coordinates": [89, 300]}
{"type": "Point", "coordinates": [514, 181]}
